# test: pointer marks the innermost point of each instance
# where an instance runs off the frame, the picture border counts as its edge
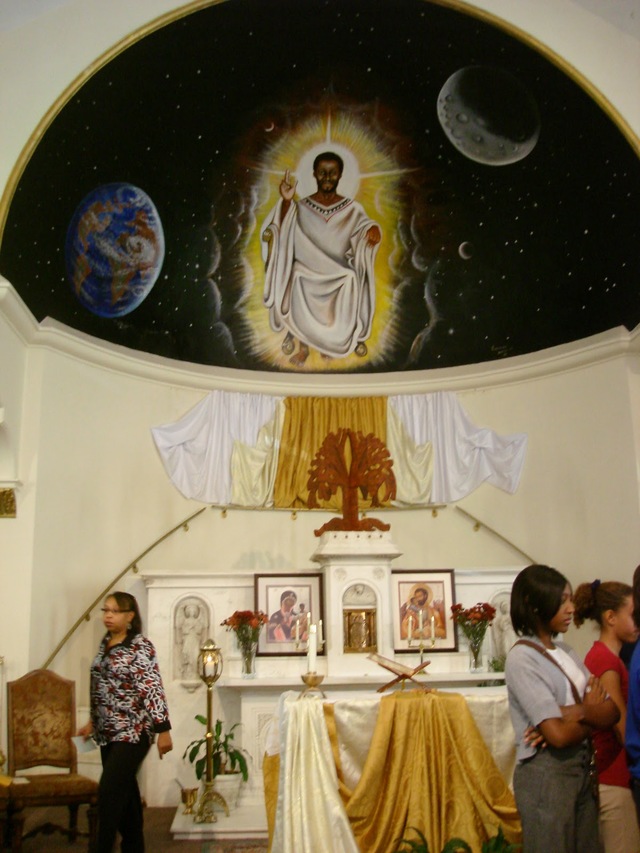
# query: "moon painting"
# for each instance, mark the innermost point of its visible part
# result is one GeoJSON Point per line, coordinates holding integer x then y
{"type": "Point", "coordinates": [488, 115]}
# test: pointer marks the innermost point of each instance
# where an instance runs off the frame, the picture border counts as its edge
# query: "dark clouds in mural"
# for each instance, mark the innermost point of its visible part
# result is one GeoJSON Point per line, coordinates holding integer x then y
{"type": "Point", "coordinates": [483, 255]}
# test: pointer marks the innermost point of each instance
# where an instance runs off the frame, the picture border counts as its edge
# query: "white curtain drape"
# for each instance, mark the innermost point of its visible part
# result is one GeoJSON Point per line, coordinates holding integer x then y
{"type": "Point", "coordinates": [465, 455]}
{"type": "Point", "coordinates": [309, 809]}
{"type": "Point", "coordinates": [196, 450]}
{"type": "Point", "coordinates": [225, 450]}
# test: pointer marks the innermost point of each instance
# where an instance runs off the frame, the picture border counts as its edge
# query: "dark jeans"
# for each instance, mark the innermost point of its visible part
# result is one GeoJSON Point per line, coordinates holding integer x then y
{"type": "Point", "coordinates": [119, 803]}
{"type": "Point", "coordinates": [558, 810]}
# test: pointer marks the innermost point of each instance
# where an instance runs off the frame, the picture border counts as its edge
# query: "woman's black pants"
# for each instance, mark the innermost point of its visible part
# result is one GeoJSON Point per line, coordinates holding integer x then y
{"type": "Point", "coordinates": [119, 803]}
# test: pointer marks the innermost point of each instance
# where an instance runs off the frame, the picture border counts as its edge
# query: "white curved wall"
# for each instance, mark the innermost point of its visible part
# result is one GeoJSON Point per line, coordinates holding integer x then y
{"type": "Point", "coordinates": [78, 413]}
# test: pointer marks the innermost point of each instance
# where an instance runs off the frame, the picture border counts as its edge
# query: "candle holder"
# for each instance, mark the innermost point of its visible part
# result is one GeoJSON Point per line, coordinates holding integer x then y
{"type": "Point", "coordinates": [305, 643]}
{"type": "Point", "coordinates": [189, 797]}
{"type": "Point", "coordinates": [296, 634]}
{"type": "Point", "coordinates": [421, 640]}
{"type": "Point", "coordinates": [209, 670]}
{"type": "Point", "coordinates": [312, 680]}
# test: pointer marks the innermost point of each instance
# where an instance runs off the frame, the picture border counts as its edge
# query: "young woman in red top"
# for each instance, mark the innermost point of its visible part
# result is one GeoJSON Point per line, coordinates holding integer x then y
{"type": "Point", "coordinates": [610, 605]}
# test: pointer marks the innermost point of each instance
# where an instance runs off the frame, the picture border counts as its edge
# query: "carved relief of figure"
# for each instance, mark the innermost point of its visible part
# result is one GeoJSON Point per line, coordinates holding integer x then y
{"type": "Point", "coordinates": [502, 633]}
{"type": "Point", "coordinates": [191, 632]}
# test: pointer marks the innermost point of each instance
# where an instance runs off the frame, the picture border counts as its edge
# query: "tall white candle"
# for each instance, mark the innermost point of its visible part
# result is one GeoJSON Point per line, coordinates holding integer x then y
{"type": "Point", "coordinates": [313, 648]}
{"type": "Point", "coordinates": [420, 622]}
{"type": "Point", "coordinates": [320, 634]}
{"type": "Point", "coordinates": [297, 633]}
{"type": "Point", "coordinates": [410, 628]}
{"type": "Point", "coordinates": [433, 627]}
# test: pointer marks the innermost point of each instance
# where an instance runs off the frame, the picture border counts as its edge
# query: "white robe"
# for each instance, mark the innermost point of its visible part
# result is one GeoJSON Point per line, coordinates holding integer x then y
{"type": "Point", "coordinates": [319, 282]}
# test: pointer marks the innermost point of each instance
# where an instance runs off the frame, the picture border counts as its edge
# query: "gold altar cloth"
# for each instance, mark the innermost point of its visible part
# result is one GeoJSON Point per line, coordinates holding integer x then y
{"type": "Point", "coordinates": [427, 767]}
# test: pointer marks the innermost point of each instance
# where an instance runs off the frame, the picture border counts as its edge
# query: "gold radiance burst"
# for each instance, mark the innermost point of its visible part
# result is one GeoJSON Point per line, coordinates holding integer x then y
{"type": "Point", "coordinates": [370, 176]}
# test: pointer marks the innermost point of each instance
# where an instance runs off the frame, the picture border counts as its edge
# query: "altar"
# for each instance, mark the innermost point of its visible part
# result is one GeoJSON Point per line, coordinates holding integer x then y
{"type": "Point", "coordinates": [357, 580]}
{"type": "Point", "coordinates": [478, 704]}
{"type": "Point", "coordinates": [362, 771]}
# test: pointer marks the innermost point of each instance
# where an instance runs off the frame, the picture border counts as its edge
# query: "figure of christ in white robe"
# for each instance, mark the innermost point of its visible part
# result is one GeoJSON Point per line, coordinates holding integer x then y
{"type": "Point", "coordinates": [319, 282]}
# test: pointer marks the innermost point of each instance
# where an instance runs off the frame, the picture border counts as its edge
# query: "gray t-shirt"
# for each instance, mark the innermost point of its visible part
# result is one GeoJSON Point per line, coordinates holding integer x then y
{"type": "Point", "coordinates": [536, 689]}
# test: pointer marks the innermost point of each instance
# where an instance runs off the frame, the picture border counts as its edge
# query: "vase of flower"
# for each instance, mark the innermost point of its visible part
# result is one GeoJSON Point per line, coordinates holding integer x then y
{"type": "Point", "coordinates": [473, 622]}
{"type": "Point", "coordinates": [475, 652]}
{"type": "Point", "coordinates": [248, 653]}
{"type": "Point", "coordinates": [246, 624]}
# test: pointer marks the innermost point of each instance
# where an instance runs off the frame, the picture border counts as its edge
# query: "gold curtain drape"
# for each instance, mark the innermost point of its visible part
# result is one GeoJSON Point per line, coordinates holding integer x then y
{"type": "Point", "coordinates": [307, 422]}
{"type": "Point", "coordinates": [270, 777]}
{"type": "Point", "coordinates": [427, 767]}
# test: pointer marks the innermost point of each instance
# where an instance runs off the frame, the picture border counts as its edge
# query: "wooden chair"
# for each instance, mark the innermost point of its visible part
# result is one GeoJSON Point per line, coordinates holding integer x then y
{"type": "Point", "coordinates": [41, 720]}
{"type": "Point", "coordinates": [4, 810]}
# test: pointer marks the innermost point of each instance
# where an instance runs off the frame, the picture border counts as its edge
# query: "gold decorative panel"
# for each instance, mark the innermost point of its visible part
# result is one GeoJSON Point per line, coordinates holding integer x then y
{"type": "Point", "coordinates": [7, 503]}
{"type": "Point", "coordinates": [359, 631]}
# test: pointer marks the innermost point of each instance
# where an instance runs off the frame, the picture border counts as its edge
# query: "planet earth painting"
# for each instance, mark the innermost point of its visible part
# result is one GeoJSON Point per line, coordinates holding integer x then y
{"type": "Point", "coordinates": [114, 249]}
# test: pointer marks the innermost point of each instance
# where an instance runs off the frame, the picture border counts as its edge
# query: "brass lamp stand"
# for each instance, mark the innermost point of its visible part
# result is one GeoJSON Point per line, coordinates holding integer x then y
{"type": "Point", "coordinates": [209, 670]}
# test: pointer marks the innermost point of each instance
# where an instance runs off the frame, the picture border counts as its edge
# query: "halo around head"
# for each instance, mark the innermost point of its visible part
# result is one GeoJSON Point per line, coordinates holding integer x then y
{"type": "Point", "coordinates": [349, 181]}
{"type": "Point", "coordinates": [425, 588]}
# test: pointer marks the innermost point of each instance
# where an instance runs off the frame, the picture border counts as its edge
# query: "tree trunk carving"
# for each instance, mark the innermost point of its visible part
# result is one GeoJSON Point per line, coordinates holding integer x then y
{"type": "Point", "coordinates": [353, 463]}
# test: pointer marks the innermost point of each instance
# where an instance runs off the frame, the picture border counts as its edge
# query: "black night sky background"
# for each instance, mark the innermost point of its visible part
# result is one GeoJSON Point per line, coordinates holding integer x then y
{"type": "Point", "coordinates": [490, 261]}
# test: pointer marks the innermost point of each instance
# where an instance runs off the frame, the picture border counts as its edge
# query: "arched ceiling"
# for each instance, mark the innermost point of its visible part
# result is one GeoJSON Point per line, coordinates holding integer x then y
{"type": "Point", "coordinates": [520, 239]}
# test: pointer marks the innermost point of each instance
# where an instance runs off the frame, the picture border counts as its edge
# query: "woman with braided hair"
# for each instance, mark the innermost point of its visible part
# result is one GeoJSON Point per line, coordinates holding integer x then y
{"type": "Point", "coordinates": [610, 605]}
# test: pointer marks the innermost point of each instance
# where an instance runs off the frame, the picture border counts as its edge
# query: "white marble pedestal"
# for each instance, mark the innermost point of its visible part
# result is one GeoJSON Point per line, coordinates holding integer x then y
{"type": "Point", "coordinates": [244, 823]}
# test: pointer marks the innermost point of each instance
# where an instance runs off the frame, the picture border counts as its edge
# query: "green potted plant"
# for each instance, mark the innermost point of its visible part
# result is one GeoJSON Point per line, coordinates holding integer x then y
{"type": "Point", "coordinates": [496, 844]}
{"type": "Point", "coordinates": [229, 760]}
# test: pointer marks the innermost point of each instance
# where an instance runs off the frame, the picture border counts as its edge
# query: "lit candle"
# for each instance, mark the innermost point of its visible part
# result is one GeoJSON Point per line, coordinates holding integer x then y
{"type": "Point", "coordinates": [420, 622]}
{"type": "Point", "coordinates": [433, 627]}
{"type": "Point", "coordinates": [410, 627]}
{"type": "Point", "coordinates": [313, 648]}
{"type": "Point", "coordinates": [320, 634]}
{"type": "Point", "coordinates": [209, 668]}
{"type": "Point", "coordinates": [297, 633]}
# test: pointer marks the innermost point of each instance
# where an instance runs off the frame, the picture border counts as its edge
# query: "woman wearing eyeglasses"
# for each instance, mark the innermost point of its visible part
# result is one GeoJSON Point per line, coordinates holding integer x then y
{"type": "Point", "coordinates": [128, 710]}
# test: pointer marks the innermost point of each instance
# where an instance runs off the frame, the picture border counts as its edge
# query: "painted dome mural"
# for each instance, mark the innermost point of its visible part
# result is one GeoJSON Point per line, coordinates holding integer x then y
{"type": "Point", "coordinates": [326, 187]}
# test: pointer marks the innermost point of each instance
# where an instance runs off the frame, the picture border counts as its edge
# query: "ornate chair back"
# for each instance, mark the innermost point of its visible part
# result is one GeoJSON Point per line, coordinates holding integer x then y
{"type": "Point", "coordinates": [41, 709]}
{"type": "Point", "coordinates": [41, 720]}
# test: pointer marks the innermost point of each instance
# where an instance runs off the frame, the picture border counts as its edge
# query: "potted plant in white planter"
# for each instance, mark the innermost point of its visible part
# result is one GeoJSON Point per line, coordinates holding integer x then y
{"type": "Point", "coordinates": [230, 767]}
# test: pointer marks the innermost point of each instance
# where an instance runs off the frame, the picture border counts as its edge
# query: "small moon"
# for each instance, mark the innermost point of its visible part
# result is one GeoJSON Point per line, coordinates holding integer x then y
{"type": "Point", "coordinates": [489, 115]}
{"type": "Point", "coordinates": [465, 250]}
{"type": "Point", "coordinates": [269, 127]}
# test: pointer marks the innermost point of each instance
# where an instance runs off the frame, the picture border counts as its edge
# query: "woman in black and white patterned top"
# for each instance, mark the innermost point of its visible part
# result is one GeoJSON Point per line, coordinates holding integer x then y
{"type": "Point", "coordinates": [128, 710]}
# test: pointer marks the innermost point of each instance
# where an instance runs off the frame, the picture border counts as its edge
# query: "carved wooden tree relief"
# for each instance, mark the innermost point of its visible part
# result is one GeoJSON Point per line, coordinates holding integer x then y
{"type": "Point", "coordinates": [353, 463]}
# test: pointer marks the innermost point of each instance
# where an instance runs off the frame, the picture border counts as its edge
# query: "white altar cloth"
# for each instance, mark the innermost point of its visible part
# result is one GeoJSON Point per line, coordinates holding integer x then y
{"type": "Point", "coordinates": [309, 807]}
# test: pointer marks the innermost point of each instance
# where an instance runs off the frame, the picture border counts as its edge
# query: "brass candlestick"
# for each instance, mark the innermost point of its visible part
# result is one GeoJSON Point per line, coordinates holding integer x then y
{"type": "Point", "coordinates": [421, 643]}
{"type": "Point", "coordinates": [209, 670]}
{"type": "Point", "coordinates": [189, 797]}
{"type": "Point", "coordinates": [313, 680]}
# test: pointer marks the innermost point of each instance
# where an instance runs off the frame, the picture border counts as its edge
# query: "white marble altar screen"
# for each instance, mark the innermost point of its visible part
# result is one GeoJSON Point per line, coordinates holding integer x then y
{"type": "Point", "coordinates": [184, 608]}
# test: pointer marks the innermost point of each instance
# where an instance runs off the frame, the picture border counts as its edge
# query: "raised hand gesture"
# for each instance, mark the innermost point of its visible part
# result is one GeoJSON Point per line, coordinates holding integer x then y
{"type": "Point", "coordinates": [287, 189]}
